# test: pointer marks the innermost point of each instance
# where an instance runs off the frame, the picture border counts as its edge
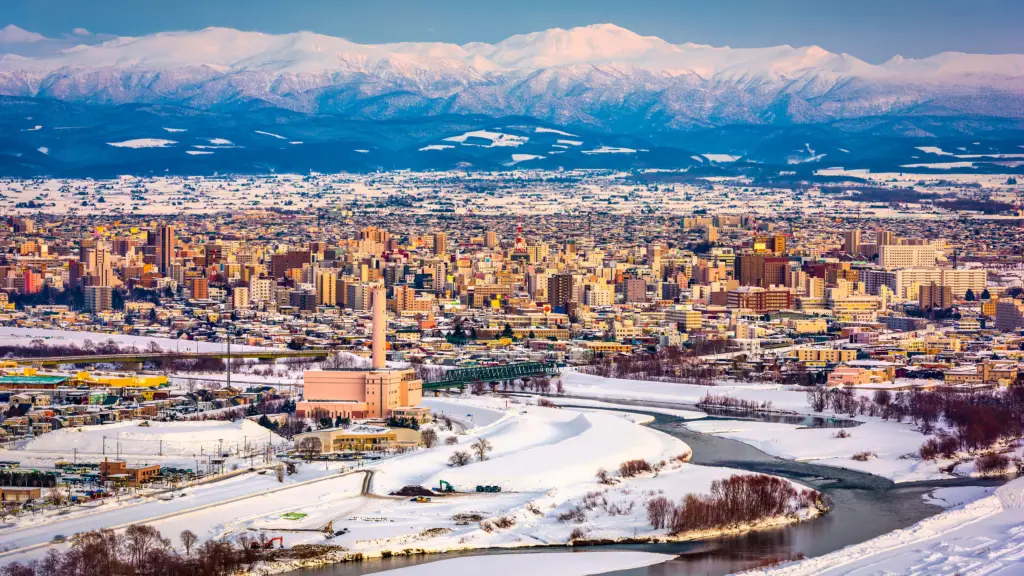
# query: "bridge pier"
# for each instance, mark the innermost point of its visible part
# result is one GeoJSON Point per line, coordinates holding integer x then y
{"type": "Point", "coordinates": [131, 366]}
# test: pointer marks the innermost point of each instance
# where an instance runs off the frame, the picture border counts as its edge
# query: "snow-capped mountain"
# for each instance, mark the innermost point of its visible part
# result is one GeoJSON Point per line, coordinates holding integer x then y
{"type": "Point", "coordinates": [602, 76]}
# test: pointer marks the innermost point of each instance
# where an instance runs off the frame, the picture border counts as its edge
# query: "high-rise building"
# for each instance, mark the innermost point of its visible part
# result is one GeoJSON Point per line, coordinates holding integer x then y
{"type": "Point", "coordinates": [261, 289]}
{"type": "Point", "coordinates": [165, 248]}
{"type": "Point", "coordinates": [200, 288]}
{"type": "Point", "coordinates": [490, 239]}
{"type": "Point", "coordinates": [240, 298]}
{"type": "Point", "coordinates": [559, 290]}
{"type": "Point", "coordinates": [1009, 315]}
{"type": "Point", "coordinates": [852, 240]}
{"type": "Point", "coordinates": [935, 296]}
{"type": "Point", "coordinates": [440, 243]}
{"type": "Point", "coordinates": [635, 290]}
{"type": "Point", "coordinates": [896, 256]}
{"type": "Point", "coordinates": [327, 288]}
{"type": "Point", "coordinates": [99, 298]}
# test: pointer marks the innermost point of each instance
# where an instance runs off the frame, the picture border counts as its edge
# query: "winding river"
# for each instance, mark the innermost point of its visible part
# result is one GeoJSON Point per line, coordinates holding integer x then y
{"type": "Point", "coordinates": [863, 506]}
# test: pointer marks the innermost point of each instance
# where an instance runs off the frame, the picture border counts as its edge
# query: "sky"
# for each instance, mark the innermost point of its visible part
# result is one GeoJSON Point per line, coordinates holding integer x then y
{"type": "Point", "coordinates": [873, 30]}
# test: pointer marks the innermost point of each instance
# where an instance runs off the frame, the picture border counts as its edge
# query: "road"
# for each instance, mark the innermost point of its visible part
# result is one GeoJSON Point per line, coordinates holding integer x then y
{"type": "Point", "coordinates": [22, 541]}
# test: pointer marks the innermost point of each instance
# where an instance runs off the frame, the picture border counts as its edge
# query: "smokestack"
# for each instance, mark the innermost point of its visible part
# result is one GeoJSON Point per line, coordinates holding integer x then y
{"type": "Point", "coordinates": [380, 325]}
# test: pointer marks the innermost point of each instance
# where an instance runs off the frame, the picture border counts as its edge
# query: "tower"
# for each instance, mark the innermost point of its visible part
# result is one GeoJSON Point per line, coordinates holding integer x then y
{"type": "Point", "coordinates": [379, 298]}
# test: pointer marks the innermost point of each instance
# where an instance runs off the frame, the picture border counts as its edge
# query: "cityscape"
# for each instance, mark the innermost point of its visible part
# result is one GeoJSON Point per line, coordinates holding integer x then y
{"type": "Point", "coordinates": [698, 357]}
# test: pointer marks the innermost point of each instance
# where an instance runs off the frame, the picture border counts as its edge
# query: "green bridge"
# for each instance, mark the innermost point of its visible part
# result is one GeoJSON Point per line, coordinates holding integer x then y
{"type": "Point", "coordinates": [462, 377]}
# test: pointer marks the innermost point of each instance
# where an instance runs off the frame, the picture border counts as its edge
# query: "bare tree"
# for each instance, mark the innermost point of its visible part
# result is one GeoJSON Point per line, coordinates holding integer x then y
{"type": "Point", "coordinates": [429, 437]}
{"type": "Point", "coordinates": [482, 446]}
{"type": "Point", "coordinates": [460, 458]}
{"type": "Point", "coordinates": [188, 540]}
{"type": "Point", "coordinates": [140, 541]}
{"type": "Point", "coordinates": [310, 447]}
{"type": "Point", "coordinates": [451, 440]}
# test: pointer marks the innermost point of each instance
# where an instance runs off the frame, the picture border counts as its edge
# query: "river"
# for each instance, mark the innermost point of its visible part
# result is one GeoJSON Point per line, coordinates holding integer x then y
{"type": "Point", "coordinates": [863, 506]}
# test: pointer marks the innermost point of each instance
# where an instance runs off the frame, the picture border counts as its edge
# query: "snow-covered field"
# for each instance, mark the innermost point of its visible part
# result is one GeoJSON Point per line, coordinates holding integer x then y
{"type": "Point", "coordinates": [544, 459]}
{"type": "Point", "coordinates": [985, 536]}
{"type": "Point", "coordinates": [889, 441]}
{"type": "Point", "coordinates": [150, 439]}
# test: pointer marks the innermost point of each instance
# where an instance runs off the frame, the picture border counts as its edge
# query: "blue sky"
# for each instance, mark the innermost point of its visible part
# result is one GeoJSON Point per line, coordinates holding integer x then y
{"type": "Point", "coordinates": [870, 29]}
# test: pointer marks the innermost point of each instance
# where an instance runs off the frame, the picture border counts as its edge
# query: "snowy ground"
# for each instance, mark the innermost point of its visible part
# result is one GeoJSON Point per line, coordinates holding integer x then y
{"type": "Point", "coordinates": [544, 459]}
{"type": "Point", "coordinates": [178, 444]}
{"type": "Point", "coordinates": [23, 336]}
{"type": "Point", "coordinates": [577, 564]}
{"type": "Point", "coordinates": [985, 536]}
{"type": "Point", "coordinates": [888, 441]}
{"type": "Point", "coordinates": [894, 445]}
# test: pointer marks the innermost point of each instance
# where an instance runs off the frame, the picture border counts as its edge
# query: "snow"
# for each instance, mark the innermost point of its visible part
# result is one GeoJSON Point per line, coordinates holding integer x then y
{"type": "Point", "coordinates": [168, 438]}
{"type": "Point", "coordinates": [542, 564]}
{"type": "Point", "coordinates": [21, 336]}
{"type": "Point", "coordinates": [517, 158]}
{"type": "Point", "coordinates": [43, 150]}
{"type": "Point", "coordinates": [220, 142]}
{"type": "Point", "coordinates": [544, 459]}
{"type": "Point", "coordinates": [176, 129]}
{"type": "Point", "coordinates": [542, 130]}
{"type": "Point", "coordinates": [33, 129]}
{"type": "Point", "coordinates": [436, 147]}
{"type": "Point", "coordinates": [570, 142]}
{"type": "Point", "coordinates": [940, 165]}
{"type": "Point", "coordinates": [958, 495]}
{"type": "Point", "coordinates": [271, 134]}
{"type": "Point", "coordinates": [888, 440]}
{"type": "Point", "coordinates": [721, 157]}
{"type": "Point", "coordinates": [197, 152]}
{"type": "Point", "coordinates": [143, 143]}
{"type": "Point", "coordinates": [360, 151]}
{"type": "Point", "coordinates": [610, 150]}
{"type": "Point", "coordinates": [934, 150]}
{"type": "Point", "coordinates": [497, 139]}
{"type": "Point", "coordinates": [985, 536]}
{"type": "Point", "coordinates": [295, 142]}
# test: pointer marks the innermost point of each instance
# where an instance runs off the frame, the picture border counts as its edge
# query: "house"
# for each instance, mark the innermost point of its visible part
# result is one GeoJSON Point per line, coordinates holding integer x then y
{"type": "Point", "coordinates": [362, 438]}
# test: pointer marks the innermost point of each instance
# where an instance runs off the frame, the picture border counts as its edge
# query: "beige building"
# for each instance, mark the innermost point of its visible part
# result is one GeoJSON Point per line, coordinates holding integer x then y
{"type": "Point", "coordinates": [362, 393]}
{"type": "Point", "coordinates": [907, 256]}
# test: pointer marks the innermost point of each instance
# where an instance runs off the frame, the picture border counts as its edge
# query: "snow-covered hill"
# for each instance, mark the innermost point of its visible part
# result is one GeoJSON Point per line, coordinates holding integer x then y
{"type": "Point", "coordinates": [594, 75]}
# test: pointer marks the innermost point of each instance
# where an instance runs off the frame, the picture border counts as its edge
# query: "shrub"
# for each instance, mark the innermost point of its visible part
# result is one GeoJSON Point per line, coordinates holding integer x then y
{"type": "Point", "coordinates": [459, 458]}
{"type": "Point", "coordinates": [429, 437]}
{"type": "Point", "coordinates": [451, 440]}
{"type": "Point", "coordinates": [682, 456]}
{"type": "Point", "coordinates": [505, 522]}
{"type": "Point", "coordinates": [842, 433]}
{"type": "Point", "coordinates": [578, 533]}
{"type": "Point", "coordinates": [631, 468]}
{"type": "Point", "coordinates": [604, 478]}
{"type": "Point", "coordinates": [659, 511]}
{"type": "Point", "coordinates": [466, 518]}
{"type": "Point", "coordinates": [576, 515]}
{"type": "Point", "coordinates": [532, 507]}
{"type": "Point", "coordinates": [991, 464]}
{"type": "Point", "coordinates": [864, 456]}
{"type": "Point", "coordinates": [546, 403]}
{"type": "Point", "coordinates": [738, 499]}
{"type": "Point", "coordinates": [929, 450]}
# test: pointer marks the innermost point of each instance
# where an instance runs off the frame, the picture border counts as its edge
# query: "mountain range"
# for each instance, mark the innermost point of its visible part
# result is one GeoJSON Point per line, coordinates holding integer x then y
{"type": "Point", "coordinates": [629, 91]}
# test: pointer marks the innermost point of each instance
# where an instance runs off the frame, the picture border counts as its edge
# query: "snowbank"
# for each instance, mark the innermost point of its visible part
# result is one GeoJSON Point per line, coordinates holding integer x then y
{"type": "Point", "coordinates": [982, 537]}
{"type": "Point", "coordinates": [546, 564]}
{"type": "Point", "coordinates": [155, 438]}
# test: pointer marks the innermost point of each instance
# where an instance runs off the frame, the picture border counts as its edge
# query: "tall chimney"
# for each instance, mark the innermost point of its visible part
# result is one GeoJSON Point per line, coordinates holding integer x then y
{"type": "Point", "coordinates": [380, 325]}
